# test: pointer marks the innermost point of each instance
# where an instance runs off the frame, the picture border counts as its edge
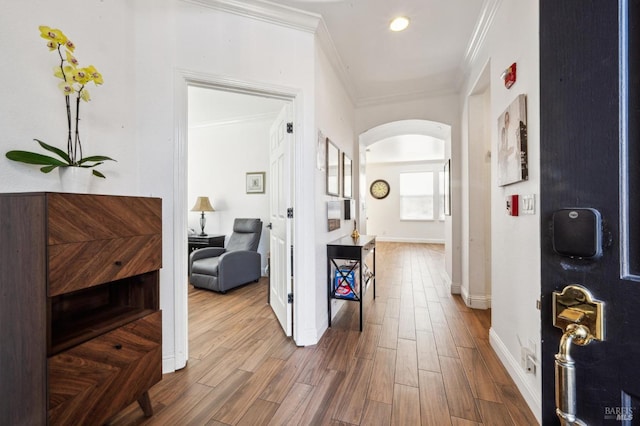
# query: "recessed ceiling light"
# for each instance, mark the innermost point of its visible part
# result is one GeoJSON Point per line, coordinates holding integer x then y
{"type": "Point", "coordinates": [399, 24]}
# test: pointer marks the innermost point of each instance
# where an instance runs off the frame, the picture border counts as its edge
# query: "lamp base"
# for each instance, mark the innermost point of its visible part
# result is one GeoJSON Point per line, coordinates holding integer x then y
{"type": "Point", "coordinates": [203, 222]}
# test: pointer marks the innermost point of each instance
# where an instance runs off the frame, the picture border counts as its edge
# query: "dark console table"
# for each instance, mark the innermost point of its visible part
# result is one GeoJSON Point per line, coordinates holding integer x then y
{"type": "Point", "coordinates": [201, 241]}
{"type": "Point", "coordinates": [347, 272]}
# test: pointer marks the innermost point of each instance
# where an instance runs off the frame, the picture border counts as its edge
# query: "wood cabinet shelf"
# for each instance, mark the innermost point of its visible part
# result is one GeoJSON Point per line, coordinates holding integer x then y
{"type": "Point", "coordinates": [79, 306]}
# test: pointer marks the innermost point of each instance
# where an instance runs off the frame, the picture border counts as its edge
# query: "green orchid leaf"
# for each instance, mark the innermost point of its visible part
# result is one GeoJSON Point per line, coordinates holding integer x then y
{"type": "Point", "coordinates": [95, 158]}
{"type": "Point", "coordinates": [47, 169]}
{"type": "Point", "coordinates": [34, 158]}
{"type": "Point", "coordinates": [98, 174]}
{"type": "Point", "coordinates": [89, 166]}
{"type": "Point", "coordinates": [55, 150]}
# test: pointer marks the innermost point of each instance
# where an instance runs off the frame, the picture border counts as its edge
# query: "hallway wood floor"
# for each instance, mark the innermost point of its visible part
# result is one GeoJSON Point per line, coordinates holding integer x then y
{"type": "Point", "coordinates": [423, 358]}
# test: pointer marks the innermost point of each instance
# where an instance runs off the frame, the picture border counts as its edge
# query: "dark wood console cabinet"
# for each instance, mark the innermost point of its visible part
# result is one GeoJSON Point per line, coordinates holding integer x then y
{"type": "Point", "coordinates": [346, 261]}
{"type": "Point", "coordinates": [201, 241]}
{"type": "Point", "coordinates": [80, 324]}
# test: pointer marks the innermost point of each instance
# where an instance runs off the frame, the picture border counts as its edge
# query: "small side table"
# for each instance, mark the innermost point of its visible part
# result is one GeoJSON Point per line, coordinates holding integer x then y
{"type": "Point", "coordinates": [200, 241]}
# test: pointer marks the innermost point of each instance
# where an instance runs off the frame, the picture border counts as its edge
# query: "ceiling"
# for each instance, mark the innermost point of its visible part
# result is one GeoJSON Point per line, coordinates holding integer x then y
{"type": "Point", "coordinates": [375, 64]}
{"type": "Point", "coordinates": [406, 148]}
{"type": "Point", "coordinates": [380, 65]}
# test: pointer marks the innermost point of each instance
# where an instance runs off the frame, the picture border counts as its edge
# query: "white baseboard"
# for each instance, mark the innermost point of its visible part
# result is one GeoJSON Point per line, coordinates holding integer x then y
{"type": "Point", "coordinates": [475, 301]}
{"type": "Point", "coordinates": [455, 288]}
{"type": "Point", "coordinates": [530, 395]}
{"type": "Point", "coordinates": [409, 240]}
{"type": "Point", "coordinates": [168, 364]}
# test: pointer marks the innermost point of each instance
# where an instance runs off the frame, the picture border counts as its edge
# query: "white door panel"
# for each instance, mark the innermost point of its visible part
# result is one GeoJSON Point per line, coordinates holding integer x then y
{"type": "Point", "coordinates": [280, 200]}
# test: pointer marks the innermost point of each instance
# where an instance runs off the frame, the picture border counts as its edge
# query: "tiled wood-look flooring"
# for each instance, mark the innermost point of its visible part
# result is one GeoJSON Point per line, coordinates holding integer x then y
{"type": "Point", "coordinates": [423, 358]}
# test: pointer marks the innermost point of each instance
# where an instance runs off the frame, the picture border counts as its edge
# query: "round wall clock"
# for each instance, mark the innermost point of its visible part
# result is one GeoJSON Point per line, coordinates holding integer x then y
{"type": "Point", "coordinates": [379, 189]}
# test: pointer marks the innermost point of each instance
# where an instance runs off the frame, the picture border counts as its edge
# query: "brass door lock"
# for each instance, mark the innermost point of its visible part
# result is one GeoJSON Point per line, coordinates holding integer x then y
{"type": "Point", "coordinates": [576, 305]}
{"type": "Point", "coordinates": [581, 319]}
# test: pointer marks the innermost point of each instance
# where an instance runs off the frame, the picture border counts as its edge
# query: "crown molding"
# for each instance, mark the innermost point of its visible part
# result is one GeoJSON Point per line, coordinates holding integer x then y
{"type": "Point", "coordinates": [329, 48]}
{"type": "Point", "coordinates": [265, 11]}
{"type": "Point", "coordinates": [485, 20]}
{"type": "Point", "coordinates": [405, 97]}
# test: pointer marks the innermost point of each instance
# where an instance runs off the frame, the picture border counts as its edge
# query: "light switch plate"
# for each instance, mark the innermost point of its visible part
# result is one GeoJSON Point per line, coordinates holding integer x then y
{"type": "Point", "coordinates": [528, 204]}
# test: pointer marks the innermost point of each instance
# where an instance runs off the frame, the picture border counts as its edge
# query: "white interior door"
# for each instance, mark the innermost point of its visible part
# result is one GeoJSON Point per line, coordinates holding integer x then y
{"type": "Point", "coordinates": [280, 191]}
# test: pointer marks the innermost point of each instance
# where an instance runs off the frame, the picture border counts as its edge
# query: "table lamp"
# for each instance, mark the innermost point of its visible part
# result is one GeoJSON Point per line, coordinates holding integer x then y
{"type": "Point", "coordinates": [203, 205]}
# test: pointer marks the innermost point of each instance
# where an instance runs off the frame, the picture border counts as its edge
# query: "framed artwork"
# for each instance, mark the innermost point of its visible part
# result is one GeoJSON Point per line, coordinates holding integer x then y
{"type": "Point", "coordinates": [447, 188]}
{"type": "Point", "coordinates": [512, 143]}
{"type": "Point", "coordinates": [333, 169]}
{"type": "Point", "coordinates": [255, 182]}
{"type": "Point", "coordinates": [347, 176]}
{"type": "Point", "coordinates": [333, 215]}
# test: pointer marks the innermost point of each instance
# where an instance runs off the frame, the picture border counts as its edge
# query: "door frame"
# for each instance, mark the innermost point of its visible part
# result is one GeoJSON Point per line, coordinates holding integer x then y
{"type": "Point", "coordinates": [183, 79]}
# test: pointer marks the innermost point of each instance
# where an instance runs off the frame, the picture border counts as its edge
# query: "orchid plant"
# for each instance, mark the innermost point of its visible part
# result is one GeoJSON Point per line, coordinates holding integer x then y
{"type": "Point", "coordinates": [74, 84]}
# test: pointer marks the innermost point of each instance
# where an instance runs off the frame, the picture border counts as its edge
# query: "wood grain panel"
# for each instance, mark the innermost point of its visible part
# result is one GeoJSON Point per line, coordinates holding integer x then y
{"type": "Point", "coordinates": [482, 386]}
{"type": "Point", "coordinates": [427, 352]}
{"type": "Point", "coordinates": [91, 382]}
{"type": "Point", "coordinates": [81, 265]}
{"type": "Point", "coordinates": [84, 217]}
{"type": "Point", "coordinates": [23, 321]}
{"type": "Point", "coordinates": [382, 378]}
{"type": "Point", "coordinates": [376, 413]}
{"type": "Point", "coordinates": [236, 406]}
{"type": "Point", "coordinates": [354, 391]}
{"type": "Point", "coordinates": [407, 363]}
{"type": "Point", "coordinates": [293, 405]}
{"type": "Point", "coordinates": [459, 396]}
{"type": "Point", "coordinates": [494, 414]}
{"type": "Point", "coordinates": [433, 400]}
{"type": "Point", "coordinates": [406, 406]}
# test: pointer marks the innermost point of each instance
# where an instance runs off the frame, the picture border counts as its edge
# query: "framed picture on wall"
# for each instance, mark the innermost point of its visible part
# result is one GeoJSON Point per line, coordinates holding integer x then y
{"type": "Point", "coordinates": [512, 143]}
{"type": "Point", "coordinates": [333, 169]}
{"type": "Point", "coordinates": [347, 176]}
{"type": "Point", "coordinates": [255, 182]}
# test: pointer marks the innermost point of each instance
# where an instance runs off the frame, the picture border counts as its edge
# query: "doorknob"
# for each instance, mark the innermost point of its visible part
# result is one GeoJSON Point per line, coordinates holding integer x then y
{"type": "Point", "coordinates": [270, 225]}
{"type": "Point", "coordinates": [581, 317]}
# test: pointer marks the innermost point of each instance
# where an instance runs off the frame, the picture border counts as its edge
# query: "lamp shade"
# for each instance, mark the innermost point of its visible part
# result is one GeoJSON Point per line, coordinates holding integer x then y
{"type": "Point", "coordinates": [203, 205]}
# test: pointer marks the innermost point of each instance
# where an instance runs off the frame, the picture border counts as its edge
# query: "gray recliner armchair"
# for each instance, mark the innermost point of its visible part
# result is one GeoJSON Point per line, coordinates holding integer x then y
{"type": "Point", "coordinates": [221, 269]}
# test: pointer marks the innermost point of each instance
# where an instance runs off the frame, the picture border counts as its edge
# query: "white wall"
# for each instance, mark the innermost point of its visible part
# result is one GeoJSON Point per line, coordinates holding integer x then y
{"type": "Point", "coordinates": [219, 158]}
{"type": "Point", "coordinates": [335, 118]}
{"type": "Point", "coordinates": [32, 106]}
{"type": "Point", "coordinates": [176, 40]}
{"type": "Point", "coordinates": [513, 37]}
{"type": "Point", "coordinates": [443, 108]}
{"type": "Point", "coordinates": [144, 49]}
{"type": "Point", "coordinates": [383, 216]}
{"type": "Point", "coordinates": [476, 204]}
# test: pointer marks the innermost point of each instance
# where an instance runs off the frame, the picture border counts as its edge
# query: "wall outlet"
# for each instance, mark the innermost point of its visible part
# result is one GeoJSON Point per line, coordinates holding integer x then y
{"type": "Point", "coordinates": [530, 364]}
{"type": "Point", "coordinates": [528, 360]}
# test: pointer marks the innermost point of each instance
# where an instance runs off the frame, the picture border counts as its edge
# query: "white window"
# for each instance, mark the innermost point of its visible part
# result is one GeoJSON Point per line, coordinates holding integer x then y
{"type": "Point", "coordinates": [416, 196]}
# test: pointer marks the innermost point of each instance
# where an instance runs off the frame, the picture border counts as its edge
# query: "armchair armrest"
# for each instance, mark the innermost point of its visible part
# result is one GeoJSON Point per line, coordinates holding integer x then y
{"type": "Point", "coordinates": [206, 252]}
{"type": "Point", "coordinates": [238, 267]}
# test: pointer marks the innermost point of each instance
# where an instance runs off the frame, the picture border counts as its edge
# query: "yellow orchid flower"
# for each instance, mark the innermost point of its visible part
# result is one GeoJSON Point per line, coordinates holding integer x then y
{"type": "Point", "coordinates": [52, 34]}
{"type": "Point", "coordinates": [72, 59]}
{"type": "Point", "coordinates": [84, 95]}
{"type": "Point", "coordinates": [94, 75]}
{"type": "Point", "coordinates": [67, 88]}
{"type": "Point", "coordinates": [72, 81]}
{"type": "Point", "coordinates": [70, 46]}
{"type": "Point", "coordinates": [63, 73]}
{"type": "Point", "coordinates": [79, 75]}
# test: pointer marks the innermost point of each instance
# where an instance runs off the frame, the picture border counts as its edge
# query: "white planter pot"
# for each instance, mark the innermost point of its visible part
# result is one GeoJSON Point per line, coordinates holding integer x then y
{"type": "Point", "coordinates": [76, 179]}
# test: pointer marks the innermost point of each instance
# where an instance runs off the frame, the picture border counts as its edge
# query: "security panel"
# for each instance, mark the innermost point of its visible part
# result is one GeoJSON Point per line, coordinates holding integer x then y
{"type": "Point", "coordinates": [577, 233]}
